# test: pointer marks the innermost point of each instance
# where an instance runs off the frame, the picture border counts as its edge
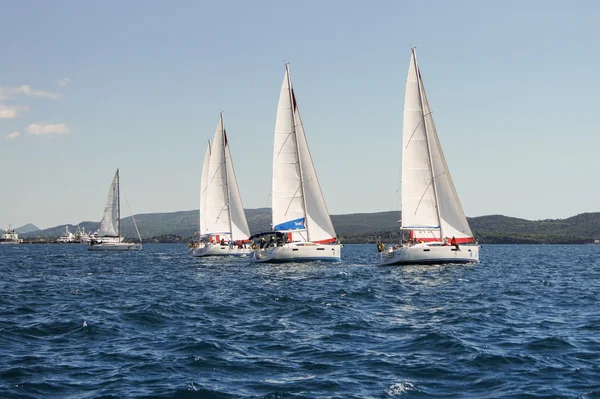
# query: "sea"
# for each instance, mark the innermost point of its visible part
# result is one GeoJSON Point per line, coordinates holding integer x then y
{"type": "Point", "coordinates": [522, 323]}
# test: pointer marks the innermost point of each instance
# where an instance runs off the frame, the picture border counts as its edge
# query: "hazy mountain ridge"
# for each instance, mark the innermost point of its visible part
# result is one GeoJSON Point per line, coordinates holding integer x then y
{"type": "Point", "coordinates": [28, 228]}
{"type": "Point", "coordinates": [365, 227]}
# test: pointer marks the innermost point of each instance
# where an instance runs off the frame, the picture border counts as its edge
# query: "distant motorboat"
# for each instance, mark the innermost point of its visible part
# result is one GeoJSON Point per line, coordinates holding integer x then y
{"type": "Point", "coordinates": [109, 235]}
{"type": "Point", "coordinates": [10, 236]}
{"type": "Point", "coordinates": [431, 210]}
{"type": "Point", "coordinates": [67, 237]}
{"type": "Point", "coordinates": [83, 237]}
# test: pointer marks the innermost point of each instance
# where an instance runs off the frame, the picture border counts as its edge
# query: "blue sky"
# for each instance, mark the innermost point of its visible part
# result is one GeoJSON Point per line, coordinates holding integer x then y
{"type": "Point", "coordinates": [87, 87]}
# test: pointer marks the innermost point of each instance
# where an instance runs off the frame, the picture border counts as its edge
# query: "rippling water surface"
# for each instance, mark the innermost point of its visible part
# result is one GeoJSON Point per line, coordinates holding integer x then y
{"type": "Point", "coordinates": [525, 322]}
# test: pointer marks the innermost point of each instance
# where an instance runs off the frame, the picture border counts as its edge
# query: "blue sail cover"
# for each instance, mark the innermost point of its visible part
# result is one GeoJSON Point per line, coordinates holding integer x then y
{"type": "Point", "coordinates": [296, 224]}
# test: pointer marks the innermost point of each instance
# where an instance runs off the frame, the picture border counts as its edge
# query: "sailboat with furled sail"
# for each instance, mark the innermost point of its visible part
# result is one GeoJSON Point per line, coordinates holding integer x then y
{"type": "Point", "coordinates": [432, 215]}
{"type": "Point", "coordinates": [302, 228]}
{"type": "Point", "coordinates": [109, 235]}
{"type": "Point", "coordinates": [223, 225]}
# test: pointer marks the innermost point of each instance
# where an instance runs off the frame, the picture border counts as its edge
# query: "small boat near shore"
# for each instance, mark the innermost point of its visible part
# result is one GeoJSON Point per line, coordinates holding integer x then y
{"type": "Point", "coordinates": [109, 235]}
{"type": "Point", "coordinates": [10, 236]}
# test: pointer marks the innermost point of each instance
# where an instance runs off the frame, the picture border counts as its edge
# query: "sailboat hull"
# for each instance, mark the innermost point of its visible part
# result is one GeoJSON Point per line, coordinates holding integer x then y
{"type": "Point", "coordinates": [298, 252]}
{"type": "Point", "coordinates": [116, 246]}
{"type": "Point", "coordinates": [422, 254]}
{"type": "Point", "coordinates": [220, 250]}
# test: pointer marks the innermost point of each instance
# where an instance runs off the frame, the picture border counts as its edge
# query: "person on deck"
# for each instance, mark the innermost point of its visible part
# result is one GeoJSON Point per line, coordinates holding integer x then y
{"type": "Point", "coordinates": [454, 243]}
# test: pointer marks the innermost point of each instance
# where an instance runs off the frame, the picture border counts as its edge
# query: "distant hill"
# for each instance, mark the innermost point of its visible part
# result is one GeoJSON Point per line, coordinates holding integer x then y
{"type": "Point", "coordinates": [28, 228]}
{"type": "Point", "coordinates": [582, 228]}
{"type": "Point", "coordinates": [366, 227]}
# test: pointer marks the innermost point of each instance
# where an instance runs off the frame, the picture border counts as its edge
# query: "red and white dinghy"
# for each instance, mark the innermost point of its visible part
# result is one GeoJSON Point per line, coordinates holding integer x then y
{"type": "Point", "coordinates": [431, 209]}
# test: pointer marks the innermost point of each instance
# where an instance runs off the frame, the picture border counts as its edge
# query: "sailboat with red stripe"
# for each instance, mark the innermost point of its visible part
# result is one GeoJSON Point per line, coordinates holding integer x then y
{"type": "Point", "coordinates": [432, 215]}
{"type": "Point", "coordinates": [302, 228]}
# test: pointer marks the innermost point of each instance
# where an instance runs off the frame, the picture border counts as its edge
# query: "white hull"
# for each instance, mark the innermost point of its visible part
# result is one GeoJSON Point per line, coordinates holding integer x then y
{"type": "Point", "coordinates": [220, 250]}
{"type": "Point", "coordinates": [421, 254]}
{"type": "Point", "coordinates": [298, 252]}
{"type": "Point", "coordinates": [19, 241]}
{"type": "Point", "coordinates": [115, 246]}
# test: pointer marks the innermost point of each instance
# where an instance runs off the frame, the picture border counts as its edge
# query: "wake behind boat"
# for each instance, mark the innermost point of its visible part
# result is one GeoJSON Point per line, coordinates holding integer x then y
{"type": "Point", "coordinates": [431, 210]}
{"type": "Point", "coordinates": [302, 227]}
{"type": "Point", "coordinates": [223, 226]}
{"type": "Point", "coordinates": [109, 235]}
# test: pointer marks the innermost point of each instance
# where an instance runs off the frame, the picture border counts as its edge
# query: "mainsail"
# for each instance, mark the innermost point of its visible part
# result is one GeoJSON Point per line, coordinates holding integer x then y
{"type": "Point", "coordinates": [109, 226]}
{"type": "Point", "coordinates": [204, 191]}
{"type": "Point", "coordinates": [430, 205]}
{"type": "Point", "coordinates": [298, 205]}
{"type": "Point", "coordinates": [220, 197]}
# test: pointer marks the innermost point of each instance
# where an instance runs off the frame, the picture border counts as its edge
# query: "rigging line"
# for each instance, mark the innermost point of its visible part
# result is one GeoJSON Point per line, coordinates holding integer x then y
{"type": "Point", "coordinates": [425, 191]}
{"type": "Point", "coordinates": [283, 144]}
{"type": "Point", "coordinates": [293, 198]}
{"type": "Point", "coordinates": [215, 174]}
{"type": "Point", "coordinates": [132, 218]}
{"type": "Point", "coordinates": [422, 121]}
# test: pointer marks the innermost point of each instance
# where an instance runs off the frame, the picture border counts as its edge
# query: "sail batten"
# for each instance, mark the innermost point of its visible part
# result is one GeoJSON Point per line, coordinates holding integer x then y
{"type": "Point", "coordinates": [430, 204]}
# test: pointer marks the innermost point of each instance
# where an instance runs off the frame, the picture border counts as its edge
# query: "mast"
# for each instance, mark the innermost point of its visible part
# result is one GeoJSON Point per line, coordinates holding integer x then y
{"type": "Point", "coordinates": [224, 135]}
{"type": "Point", "coordinates": [420, 86]}
{"type": "Point", "coordinates": [118, 204]}
{"type": "Point", "coordinates": [293, 103]}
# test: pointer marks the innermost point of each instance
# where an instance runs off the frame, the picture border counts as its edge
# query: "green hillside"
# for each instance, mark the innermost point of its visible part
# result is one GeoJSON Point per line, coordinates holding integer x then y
{"type": "Point", "coordinates": [363, 227]}
{"type": "Point", "coordinates": [28, 228]}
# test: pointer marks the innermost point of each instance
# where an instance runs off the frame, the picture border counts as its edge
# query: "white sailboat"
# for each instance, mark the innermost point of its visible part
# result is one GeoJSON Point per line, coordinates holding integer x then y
{"type": "Point", "coordinates": [302, 227]}
{"type": "Point", "coordinates": [223, 226]}
{"type": "Point", "coordinates": [431, 210]}
{"type": "Point", "coordinates": [109, 235]}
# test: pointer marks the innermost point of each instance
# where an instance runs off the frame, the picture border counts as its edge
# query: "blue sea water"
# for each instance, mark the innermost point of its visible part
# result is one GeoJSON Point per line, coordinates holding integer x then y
{"type": "Point", "coordinates": [523, 323]}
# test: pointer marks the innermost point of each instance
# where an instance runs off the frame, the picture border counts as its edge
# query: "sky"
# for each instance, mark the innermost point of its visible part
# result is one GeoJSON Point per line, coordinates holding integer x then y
{"type": "Point", "coordinates": [89, 87]}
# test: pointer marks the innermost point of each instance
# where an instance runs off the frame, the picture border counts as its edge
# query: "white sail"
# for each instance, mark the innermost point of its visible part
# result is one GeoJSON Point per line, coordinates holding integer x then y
{"type": "Point", "coordinates": [239, 224]}
{"type": "Point", "coordinates": [297, 200]}
{"type": "Point", "coordinates": [217, 209]}
{"type": "Point", "coordinates": [204, 191]}
{"type": "Point", "coordinates": [223, 210]}
{"type": "Point", "coordinates": [109, 226]}
{"type": "Point", "coordinates": [430, 205]}
{"type": "Point", "coordinates": [453, 221]}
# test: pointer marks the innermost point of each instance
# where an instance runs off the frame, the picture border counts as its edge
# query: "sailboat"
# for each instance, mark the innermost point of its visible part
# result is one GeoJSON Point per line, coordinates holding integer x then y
{"type": "Point", "coordinates": [431, 210]}
{"type": "Point", "coordinates": [223, 226]}
{"type": "Point", "coordinates": [302, 228]}
{"type": "Point", "coordinates": [109, 235]}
